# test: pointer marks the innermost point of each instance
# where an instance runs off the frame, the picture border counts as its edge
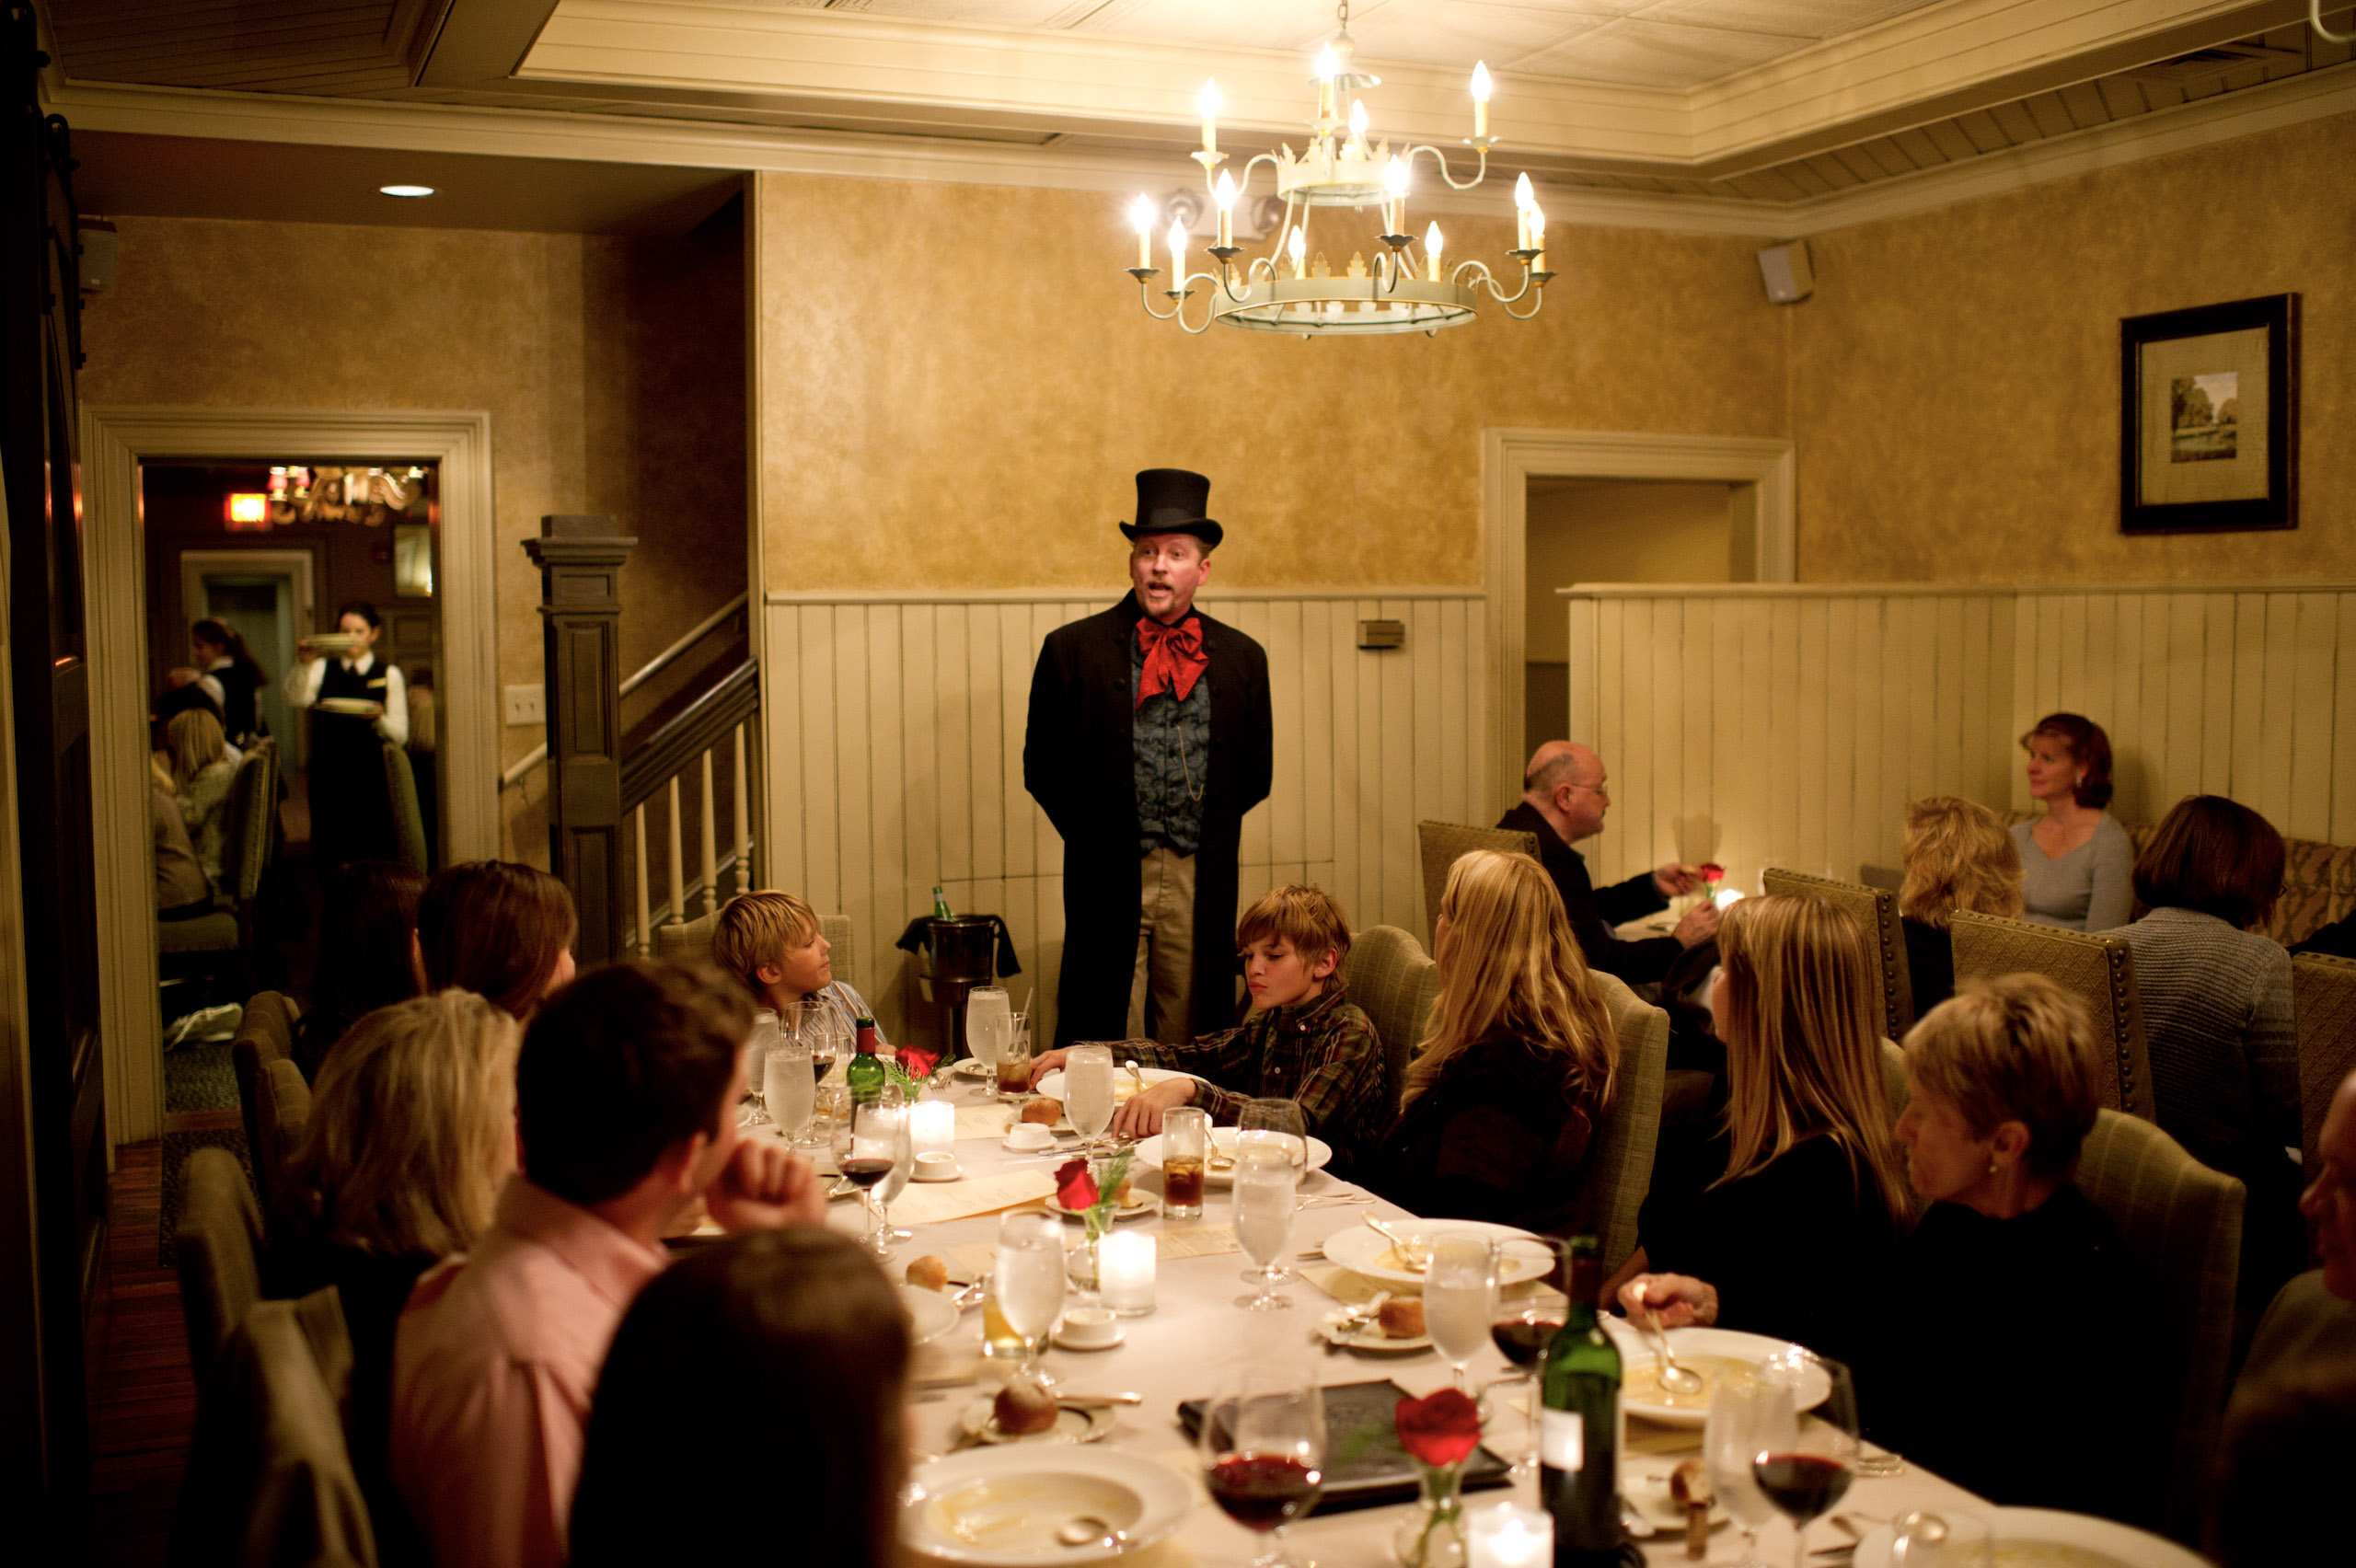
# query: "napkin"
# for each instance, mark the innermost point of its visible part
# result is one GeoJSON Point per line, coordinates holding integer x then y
{"type": "Point", "coordinates": [934, 1205]}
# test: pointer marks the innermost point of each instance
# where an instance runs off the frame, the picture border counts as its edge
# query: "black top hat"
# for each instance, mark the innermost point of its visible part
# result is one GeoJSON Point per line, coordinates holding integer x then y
{"type": "Point", "coordinates": [1171, 501]}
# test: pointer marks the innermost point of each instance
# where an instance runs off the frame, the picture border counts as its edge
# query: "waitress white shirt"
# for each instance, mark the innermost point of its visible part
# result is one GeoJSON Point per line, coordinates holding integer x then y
{"type": "Point", "coordinates": [302, 689]}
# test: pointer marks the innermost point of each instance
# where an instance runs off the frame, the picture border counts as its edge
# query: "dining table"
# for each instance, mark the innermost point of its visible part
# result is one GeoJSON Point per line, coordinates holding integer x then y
{"type": "Point", "coordinates": [1196, 1334]}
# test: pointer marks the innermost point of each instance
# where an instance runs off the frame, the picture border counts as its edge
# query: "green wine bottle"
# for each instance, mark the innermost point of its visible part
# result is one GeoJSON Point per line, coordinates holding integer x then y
{"type": "Point", "coordinates": [865, 1074]}
{"type": "Point", "coordinates": [939, 904]}
{"type": "Point", "coordinates": [1579, 1423]}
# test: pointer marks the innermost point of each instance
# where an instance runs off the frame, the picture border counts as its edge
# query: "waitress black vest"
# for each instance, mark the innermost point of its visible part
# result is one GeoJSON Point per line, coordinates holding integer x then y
{"type": "Point", "coordinates": [238, 716]}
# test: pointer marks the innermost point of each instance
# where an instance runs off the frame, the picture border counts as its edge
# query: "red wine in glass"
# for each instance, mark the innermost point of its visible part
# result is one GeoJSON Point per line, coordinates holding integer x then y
{"type": "Point", "coordinates": [1804, 1486]}
{"type": "Point", "coordinates": [1524, 1339]}
{"type": "Point", "coordinates": [865, 1173]}
{"type": "Point", "coordinates": [1265, 1491]}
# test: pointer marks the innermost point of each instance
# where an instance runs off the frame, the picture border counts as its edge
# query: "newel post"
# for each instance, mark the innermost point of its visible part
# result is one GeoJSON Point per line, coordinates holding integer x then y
{"type": "Point", "coordinates": [581, 559]}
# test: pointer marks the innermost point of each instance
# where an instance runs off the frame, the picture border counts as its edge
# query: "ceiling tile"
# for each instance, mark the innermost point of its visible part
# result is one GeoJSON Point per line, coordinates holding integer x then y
{"type": "Point", "coordinates": [1808, 18]}
{"type": "Point", "coordinates": [1458, 32]}
{"type": "Point", "coordinates": [1657, 54]}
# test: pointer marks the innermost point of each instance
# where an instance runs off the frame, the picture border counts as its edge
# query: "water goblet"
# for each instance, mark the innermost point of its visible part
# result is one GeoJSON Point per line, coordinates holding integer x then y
{"type": "Point", "coordinates": [1264, 1188]}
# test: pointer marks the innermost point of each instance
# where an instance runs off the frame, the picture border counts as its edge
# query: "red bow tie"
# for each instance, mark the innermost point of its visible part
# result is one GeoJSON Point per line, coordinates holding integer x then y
{"type": "Point", "coordinates": [1175, 658]}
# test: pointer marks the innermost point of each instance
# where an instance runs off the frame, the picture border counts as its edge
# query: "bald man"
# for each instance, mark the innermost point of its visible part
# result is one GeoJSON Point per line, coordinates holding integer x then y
{"type": "Point", "coordinates": [1562, 801]}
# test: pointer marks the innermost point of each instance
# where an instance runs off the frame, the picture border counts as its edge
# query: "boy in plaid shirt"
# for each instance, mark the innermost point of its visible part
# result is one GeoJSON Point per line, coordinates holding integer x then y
{"type": "Point", "coordinates": [1303, 1041]}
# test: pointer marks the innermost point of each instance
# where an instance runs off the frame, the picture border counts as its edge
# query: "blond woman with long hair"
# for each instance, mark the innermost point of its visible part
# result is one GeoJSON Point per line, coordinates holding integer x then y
{"type": "Point", "coordinates": [1789, 1239]}
{"type": "Point", "coordinates": [1958, 856]}
{"type": "Point", "coordinates": [201, 772]}
{"type": "Point", "coordinates": [1501, 1104]}
{"type": "Point", "coordinates": [412, 1130]}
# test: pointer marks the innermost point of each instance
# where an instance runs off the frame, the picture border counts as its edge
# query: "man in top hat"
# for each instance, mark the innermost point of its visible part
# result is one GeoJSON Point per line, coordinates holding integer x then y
{"type": "Point", "coordinates": [1150, 737]}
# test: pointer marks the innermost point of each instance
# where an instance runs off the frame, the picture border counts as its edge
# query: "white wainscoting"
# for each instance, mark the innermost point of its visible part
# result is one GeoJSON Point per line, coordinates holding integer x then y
{"type": "Point", "coordinates": [895, 728]}
{"type": "Point", "coordinates": [1758, 724]}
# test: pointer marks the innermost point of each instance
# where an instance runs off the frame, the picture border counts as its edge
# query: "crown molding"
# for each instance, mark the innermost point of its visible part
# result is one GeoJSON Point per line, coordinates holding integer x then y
{"type": "Point", "coordinates": [535, 133]}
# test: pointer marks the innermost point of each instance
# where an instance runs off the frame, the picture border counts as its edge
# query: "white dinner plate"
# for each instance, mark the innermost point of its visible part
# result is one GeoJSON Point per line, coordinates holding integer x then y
{"type": "Point", "coordinates": [1704, 1350]}
{"type": "Point", "coordinates": [1339, 1328]}
{"type": "Point", "coordinates": [358, 707]}
{"type": "Point", "coordinates": [1363, 1250]}
{"type": "Point", "coordinates": [971, 1066]}
{"type": "Point", "coordinates": [2023, 1529]}
{"type": "Point", "coordinates": [1321, 1154]}
{"type": "Point", "coordinates": [1125, 1088]}
{"type": "Point", "coordinates": [1090, 1425]}
{"type": "Point", "coordinates": [1000, 1507]}
{"type": "Point", "coordinates": [931, 1313]}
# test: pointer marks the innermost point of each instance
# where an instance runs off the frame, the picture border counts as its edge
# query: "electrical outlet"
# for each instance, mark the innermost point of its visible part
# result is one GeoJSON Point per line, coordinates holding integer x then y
{"type": "Point", "coordinates": [527, 705]}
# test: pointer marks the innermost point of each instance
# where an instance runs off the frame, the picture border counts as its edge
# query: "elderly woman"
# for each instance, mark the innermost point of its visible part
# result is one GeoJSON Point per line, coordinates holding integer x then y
{"type": "Point", "coordinates": [2217, 1017]}
{"type": "Point", "coordinates": [1796, 1235]}
{"type": "Point", "coordinates": [1957, 857]}
{"type": "Point", "coordinates": [1499, 1107]}
{"type": "Point", "coordinates": [2076, 859]}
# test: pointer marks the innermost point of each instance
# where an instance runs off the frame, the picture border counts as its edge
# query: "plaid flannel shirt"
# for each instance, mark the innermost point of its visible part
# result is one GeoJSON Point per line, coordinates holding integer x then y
{"type": "Point", "coordinates": [1323, 1053]}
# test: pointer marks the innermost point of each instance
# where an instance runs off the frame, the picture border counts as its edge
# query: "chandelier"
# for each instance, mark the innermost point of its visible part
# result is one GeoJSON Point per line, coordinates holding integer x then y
{"type": "Point", "coordinates": [1404, 289]}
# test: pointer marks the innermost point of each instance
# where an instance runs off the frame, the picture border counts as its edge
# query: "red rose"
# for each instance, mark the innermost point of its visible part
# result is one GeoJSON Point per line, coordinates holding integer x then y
{"type": "Point", "coordinates": [1075, 1188]}
{"type": "Point", "coordinates": [1712, 872]}
{"type": "Point", "coordinates": [918, 1063]}
{"type": "Point", "coordinates": [1440, 1429]}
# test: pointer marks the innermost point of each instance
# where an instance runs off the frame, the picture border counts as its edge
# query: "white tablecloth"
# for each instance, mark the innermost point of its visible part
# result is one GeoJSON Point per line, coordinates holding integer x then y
{"type": "Point", "coordinates": [1196, 1333]}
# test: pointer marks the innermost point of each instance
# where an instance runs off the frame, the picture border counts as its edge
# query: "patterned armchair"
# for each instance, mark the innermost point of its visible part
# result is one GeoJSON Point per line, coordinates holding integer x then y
{"type": "Point", "coordinates": [1876, 910]}
{"type": "Point", "coordinates": [1442, 842]}
{"type": "Point", "coordinates": [1629, 1133]}
{"type": "Point", "coordinates": [1388, 974]}
{"type": "Point", "coordinates": [2098, 970]}
{"type": "Point", "coordinates": [2323, 992]}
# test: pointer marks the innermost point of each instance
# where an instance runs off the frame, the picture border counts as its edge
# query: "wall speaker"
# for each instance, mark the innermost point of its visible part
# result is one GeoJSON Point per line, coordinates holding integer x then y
{"type": "Point", "coordinates": [1785, 270]}
{"type": "Point", "coordinates": [98, 238]}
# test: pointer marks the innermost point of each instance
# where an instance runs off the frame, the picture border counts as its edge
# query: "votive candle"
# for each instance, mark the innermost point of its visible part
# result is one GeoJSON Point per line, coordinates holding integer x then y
{"type": "Point", "coordinates": [1125, 1266]}
{"type": "Point", "coordinates": [932, 1126]}
{"type": "Point", "coordinates": [1509, 1536]}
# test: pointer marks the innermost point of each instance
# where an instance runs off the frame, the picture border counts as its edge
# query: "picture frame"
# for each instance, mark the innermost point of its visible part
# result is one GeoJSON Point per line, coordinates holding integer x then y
{"type": "Point", "coordinates": [2209, 418]}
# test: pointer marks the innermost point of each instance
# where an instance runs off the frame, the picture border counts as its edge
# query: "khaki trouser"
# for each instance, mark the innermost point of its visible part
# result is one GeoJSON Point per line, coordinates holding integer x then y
{"type": "Point", "coordinates": [1162, 987]}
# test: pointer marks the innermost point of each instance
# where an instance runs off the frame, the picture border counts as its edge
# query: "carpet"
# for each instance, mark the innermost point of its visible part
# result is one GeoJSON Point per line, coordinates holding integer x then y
{"type": "Point", "coordinates": [196, 1078]}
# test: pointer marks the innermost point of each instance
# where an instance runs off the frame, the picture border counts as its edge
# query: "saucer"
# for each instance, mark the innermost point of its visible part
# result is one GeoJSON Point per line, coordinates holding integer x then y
{"type": "Point", "coordinates": [950, 1172]}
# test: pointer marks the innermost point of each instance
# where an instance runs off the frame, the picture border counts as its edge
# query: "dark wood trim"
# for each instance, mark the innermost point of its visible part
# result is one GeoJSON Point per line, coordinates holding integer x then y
{"type": "Point", "coordinates": [699, 727]}
{"type": "Point", "coordinates": [581, 561]}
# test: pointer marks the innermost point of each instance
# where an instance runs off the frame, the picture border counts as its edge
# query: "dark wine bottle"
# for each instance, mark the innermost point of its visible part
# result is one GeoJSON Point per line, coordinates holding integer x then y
{"type": "Point", "coordinates": [1579, 1423]}
{"type": "Point", "coordinates": [865, 1074]}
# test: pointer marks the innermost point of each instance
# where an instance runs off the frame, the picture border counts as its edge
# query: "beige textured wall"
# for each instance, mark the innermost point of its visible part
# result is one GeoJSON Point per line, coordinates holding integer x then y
{"type": "Point", "coordinates": [1617, 531]}
{"type": "Point", "coordinates": [923, 424]}
{"type": "Point", "coordinates": [1955, 379]}
{"type": "Point", "coordinates": [548, 332]}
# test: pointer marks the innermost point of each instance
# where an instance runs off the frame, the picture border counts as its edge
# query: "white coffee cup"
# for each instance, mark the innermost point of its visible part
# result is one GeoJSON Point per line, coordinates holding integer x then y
{"type": "Point", "coordinates": [937, 1167]}
{"type": "Point", "coordinates": [1028, 1135]}
{"type": "Point", "coordinates": [1088, 1328]}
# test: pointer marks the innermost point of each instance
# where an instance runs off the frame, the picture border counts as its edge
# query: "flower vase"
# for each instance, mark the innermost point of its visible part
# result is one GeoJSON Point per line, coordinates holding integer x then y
{"type": "Point", "coordinates": [1432, 1537]}
{"type": "Point", "coordinates": [1082, 1259]}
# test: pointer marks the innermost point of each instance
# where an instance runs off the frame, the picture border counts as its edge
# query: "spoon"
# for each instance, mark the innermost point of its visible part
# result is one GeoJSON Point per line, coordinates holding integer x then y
{"type": "Point", "coordinates": [1415, 1255]}
{"type": "Point", "coordinates": [1087, 1529]}
{"type": "Point", "coordinates": [1135, 1073]}
{"type": "Point", "coordinates": [1674, 1379]}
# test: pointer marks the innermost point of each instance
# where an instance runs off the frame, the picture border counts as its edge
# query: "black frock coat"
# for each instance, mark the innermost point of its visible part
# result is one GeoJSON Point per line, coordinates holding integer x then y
{"type": "Point", "coordinates": [1079, 764]}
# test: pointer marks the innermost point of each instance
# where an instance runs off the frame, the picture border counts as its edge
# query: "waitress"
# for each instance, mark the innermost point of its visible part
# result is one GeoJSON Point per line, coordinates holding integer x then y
{"type": "Point", "coordinates": [229, 675]}
{"type": "Point", "coordinates": [357, 704]}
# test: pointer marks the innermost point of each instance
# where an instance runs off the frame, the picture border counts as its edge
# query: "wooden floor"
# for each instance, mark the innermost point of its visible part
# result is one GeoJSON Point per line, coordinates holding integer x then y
{"type": "Point", "coordinates": [142, 1396]}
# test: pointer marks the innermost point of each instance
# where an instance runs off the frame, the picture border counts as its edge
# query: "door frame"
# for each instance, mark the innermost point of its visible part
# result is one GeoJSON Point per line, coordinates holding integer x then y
{"type": "Point", "coordinates": [115, 441]}
{"type": "Point", "coordinates": [296, 566]}
{"type": "Point", "coordinates": [1512, 457]}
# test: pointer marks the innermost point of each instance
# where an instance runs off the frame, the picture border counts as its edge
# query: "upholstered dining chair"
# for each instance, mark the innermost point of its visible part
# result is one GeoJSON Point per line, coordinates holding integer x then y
{"type": "Point", "coordinates": [1442, 842]}
{"type": "Point", "coordinates": [1876, 911]}
{"type": "Point", "coordinates": [221, 944]}
{"type": "Point", "coordinates": [692, 939]}
{"type": "Point", "coordinates": [1893, 1074]}
{"type": "Point", "coordinates": [2323, 993]}
{"type": "Point", "coordinates": [1389, 975]}
{"type": "Point", "coordinates": [282, 1109]}
{"type": "Point", "coordinates": [217, 1248]}
{"type": "Point", "coordinates": [2097, 969]}
{"type": "Point", "coordinates": [265, 1034]}
{"type": "Point", "coordinates": [269, 1477]}
{"type": "Point", "coordinates": [409, 821]}
{"type": "Point", "coordinates": [2183, 1221]}
{"type": "Point", "coordinates": [1630, 1132]}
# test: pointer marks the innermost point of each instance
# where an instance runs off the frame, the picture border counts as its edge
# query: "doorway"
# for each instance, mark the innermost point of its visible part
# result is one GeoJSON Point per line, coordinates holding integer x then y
{"type": "Point", "coordinates": [267, 596]}
{"type": "Point", "coordinates": [1581, 530]}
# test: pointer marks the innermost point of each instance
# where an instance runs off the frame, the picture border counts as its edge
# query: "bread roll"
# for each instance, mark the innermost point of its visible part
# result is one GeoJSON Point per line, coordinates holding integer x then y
{"type": "Point", "coordinates": [928, 1273]}
{"type": "Point", "coordinates": [1044, 1110]}
{"type": "Point", "coordinates": [1023, 1408]}
{"type": "Point", "coordinates": [1402, 1316]}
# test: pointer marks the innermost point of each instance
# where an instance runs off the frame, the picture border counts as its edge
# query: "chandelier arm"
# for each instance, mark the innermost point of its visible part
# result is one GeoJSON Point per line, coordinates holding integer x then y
{"type": "Point", "coordinates": [1242, 175]}
{"type": "Point", "coordinates": [1535, 306]}
{"type": "Point", "coordinates": [1145, 298]}
{"type": "Point", "coordinates": [1440, 159]}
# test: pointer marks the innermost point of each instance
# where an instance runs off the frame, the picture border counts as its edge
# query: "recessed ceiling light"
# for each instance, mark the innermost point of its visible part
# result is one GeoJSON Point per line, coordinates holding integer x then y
{"type": "Point", "coordinates": [411, 190]}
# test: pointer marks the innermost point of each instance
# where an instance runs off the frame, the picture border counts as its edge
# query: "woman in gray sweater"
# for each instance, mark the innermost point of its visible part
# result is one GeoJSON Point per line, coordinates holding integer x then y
{"type": "Point", "coordinates": [2217, 1016]}
{"type": "Point", "coordinates": [2075, 859]}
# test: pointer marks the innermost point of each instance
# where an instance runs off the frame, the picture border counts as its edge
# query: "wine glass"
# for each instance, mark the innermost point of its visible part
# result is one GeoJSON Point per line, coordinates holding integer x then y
{"type": "Point", "coordinates": [868, 1143]}
{"type": "Point", "coordinates": [763, 1039]}
{"type": "Point", "coordinates": [789, 1089]}
{"type": "Point", "coordinates": [829, 1033]}
{"type": "Point", "coordinates": [1263, 1447]}
{"type": "Point", "coordinates": [1265, 1185]}
{"type": "Point", "coordinates": [1028, 1283]}
{"type": "Point", "coordinates": [1278, 1125]}
{"type": "Point", "coordinates": [1522, 1336]}
{"type": "Point", "coordinates": [1803, 1460]}
{"type": "Point", "coordinates": [896, 1180]}
{"type": "Point", "coordinates": [1739, 1406]}
{"type": "Point", "coordinates": [1088, 1092]}
{"type": "Point", "coordinates": [1461, 1297]}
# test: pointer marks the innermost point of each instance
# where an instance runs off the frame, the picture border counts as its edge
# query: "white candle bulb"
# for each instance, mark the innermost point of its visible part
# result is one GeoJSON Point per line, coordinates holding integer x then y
{"type": "Point", "coordinates": [1538, 237]}
{"type": "Point", "coordinates": [1357, 125]}
{"type": "Point", "coordinates": [1177, 253]}
{"type": "Point", "coordinates": [1209, 103]}
{"type": "Point", "coordinates": [1297, 246]}
{"type": "Point", "coordinates": [1521, 204]}
{"type": "Point", "coordinates": [1480, 98]}
{"type": "Point", "coordinates": [932, 1127]}
{"type": "Point", "coordinates": [1125, 1270]}
{"type": "Point", "coordinates": [1329, 66]}
{"type": "Point", "coordinates": [1431, 250]}
{"type": "Point", "coordinates": [1141, 215]}
{"type": "Point", "coordinates": [1226, 195]}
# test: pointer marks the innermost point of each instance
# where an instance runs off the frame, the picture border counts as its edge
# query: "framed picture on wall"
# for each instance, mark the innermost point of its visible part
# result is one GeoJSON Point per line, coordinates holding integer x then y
{"type": "Point", "coordinates": [2209, 418]}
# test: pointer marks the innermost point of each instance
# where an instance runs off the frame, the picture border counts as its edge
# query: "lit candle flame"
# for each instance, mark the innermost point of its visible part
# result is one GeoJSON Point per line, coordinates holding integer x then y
{"type": "Point", "coordinates": [1479, 82]}
{"type": "Point", "coordinates": [1297, 246]}
{"type": "Point", "coordinates": [1432, 241]}
{"type": "Point", "coordinates": [1394, 177]}
{"type": "Point", "coordinates": [1226, 193]}
{"type": "Point", "coordinates": [1357, 120]}
{"type": "Point", "coordinates": [1141, 215]}
{"type": "Point", "coordinates": [1209, 103]}
{"type": "Point", "coordinates": [1522, 199]}
{"type": "Point", "coordinates": [1329, 64]}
